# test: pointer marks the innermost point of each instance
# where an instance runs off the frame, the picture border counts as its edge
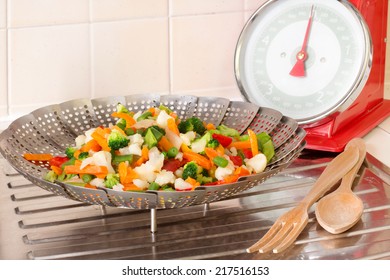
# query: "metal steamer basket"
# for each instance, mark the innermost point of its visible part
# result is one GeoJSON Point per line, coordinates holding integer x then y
{"type": "Point", "coordinates": [53, 128]}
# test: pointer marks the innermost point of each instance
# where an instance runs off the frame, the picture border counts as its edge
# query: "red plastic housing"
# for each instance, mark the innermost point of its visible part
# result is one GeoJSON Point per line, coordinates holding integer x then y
{"type": "Point", "coordinates": [370, 108]}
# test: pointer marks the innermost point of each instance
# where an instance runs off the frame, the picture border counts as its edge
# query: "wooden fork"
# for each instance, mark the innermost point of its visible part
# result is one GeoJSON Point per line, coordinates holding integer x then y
{"type": "Point", "coordinates": [287, 227]}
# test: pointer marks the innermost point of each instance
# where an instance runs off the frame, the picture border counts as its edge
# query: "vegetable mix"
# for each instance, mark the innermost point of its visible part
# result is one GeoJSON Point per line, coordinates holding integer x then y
{"type": "Point", "coordinates": [155, 150]}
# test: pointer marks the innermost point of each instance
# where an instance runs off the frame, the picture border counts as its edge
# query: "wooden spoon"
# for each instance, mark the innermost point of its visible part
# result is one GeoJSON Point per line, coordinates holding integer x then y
{"type": "Point", "coordinates": [342, 209]}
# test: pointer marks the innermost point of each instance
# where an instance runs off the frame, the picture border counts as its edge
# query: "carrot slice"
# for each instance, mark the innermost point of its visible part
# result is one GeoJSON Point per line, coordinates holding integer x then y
{"type": "Point", "coordinates": [57, 170]}
{"type": "Point", "coordinates": [171, 124]}
{"type": "Point", "coordinates": [241, 171]}
{"type": "Point", "coordinates": [100, 139]}
{"type": "Point", "coordinates": [37, 157]}
{"type": "Point", "coordinates": [98, 171]}
{"type": "Point", "coordinates": [210, 153]}
{"type": "Point", "coordinates": [210, 126]}
{"type": "Point", "coordinates": [129, 119]}
{"type": "Point", "coordinates": [164, 144]}
{"type": "Point", "coordinates": [130, 187]}
{"type": "Point", "coordinates": [91, 145]}
{"type": "Point", "coordinates": [144, 156]}
{"type": "Point", "coordinates": [230, 179]}
{"type": "Point", "coordinates": [253, 142]}
{"type": "Point", "coordinates": [199, 159]}
{"type": "Point", "coordinates": [240, 145]}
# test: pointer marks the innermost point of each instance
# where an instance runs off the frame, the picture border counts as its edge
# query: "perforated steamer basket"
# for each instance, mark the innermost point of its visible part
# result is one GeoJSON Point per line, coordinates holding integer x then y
{"type": "Point", "coordinates": [53, 128]}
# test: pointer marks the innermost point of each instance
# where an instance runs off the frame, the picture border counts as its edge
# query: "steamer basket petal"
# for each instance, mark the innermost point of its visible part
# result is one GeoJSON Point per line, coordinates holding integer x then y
{"type": "Point", "coordinates": [52, 128]}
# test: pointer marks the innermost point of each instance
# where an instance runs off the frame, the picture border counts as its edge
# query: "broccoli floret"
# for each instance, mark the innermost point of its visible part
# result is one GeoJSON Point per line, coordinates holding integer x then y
{"type": "Point", "coordinates": [116, 140]}
{"type": "Point", "coordinates": [111, 180]}
{"type": "Point", "coordinates": [192, 124]}
{"type": "Point", "coordinates": [120, 108]}
{"type": "Point", "coordinates": [227, 131]}
{"type": "Point", "coordinates": [213, 143]}
{"type": "Point", "coordinates": [185, 126]}
{"type": "Point", "coordinates": [191, 169]}
{"type": "Point", "coordinates": [121, 123]}
{"type": "Point", "coordinates": [204, 179]}
{"type": "Point", "coordinates": [83, 155]}
{"type": "Point", "coordinates": [69, 151]}
{"type": "Point", "coordinates": [51, 176]}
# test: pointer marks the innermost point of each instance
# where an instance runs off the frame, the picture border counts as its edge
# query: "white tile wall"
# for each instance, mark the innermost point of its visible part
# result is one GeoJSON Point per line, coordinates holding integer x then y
{"type": "Point", "coordinates": [107, 10]}
{"type": "Point", "coordinates": [56, 50]}
{"type": "Point", "coordinates": [3, 13]}
{"type": "Point", "coordinates": [130, 57]}
{"type": "Point", "coordinates": [54, 67]}
{"type": "Point", "coordinates": [23, 13]}
{"type": "Point", "coordinates": [3, 74]}
{"type": "Point", "coordinates": [200, 59]}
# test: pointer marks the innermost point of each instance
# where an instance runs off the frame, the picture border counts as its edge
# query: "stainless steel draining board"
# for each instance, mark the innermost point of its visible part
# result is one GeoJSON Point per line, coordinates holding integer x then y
{"type": "Point", "coordinates": [35, 224]}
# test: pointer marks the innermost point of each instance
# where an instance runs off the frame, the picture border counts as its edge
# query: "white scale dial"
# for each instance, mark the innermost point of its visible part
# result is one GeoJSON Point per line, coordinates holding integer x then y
{"type": "Point", "coordinates": [334, 41]}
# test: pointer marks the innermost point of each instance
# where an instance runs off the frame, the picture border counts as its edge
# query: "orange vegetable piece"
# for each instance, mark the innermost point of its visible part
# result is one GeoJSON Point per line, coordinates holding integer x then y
{"type": "Point", "coordinates": [91, 145]}
{"type": "Point", "coordinates": [171, 123]}
{"type": "Point", "coordinates": [193, 182]}
{"type": "Point", "coordinates": [230, 179]}
{"type": "Point", "coordinates": [37, 157]}
{"type": "Point", "coordinates": [253, 142]}
{"type": "Point", "coordinates": [57, 170]}
{"type": "Point", "coordinates": [144, 156]}
{"type": "Point", "coordinates": [240, 145]}
{"type": "Point", "coordinates": [101, 139]}
{"type": "Point", "coordinates": [129, 119]}
{"type": "Point", "coordinates": [199, 159]}
{"type": "Point", "coordinates": [98, 171]}
{"type": "Point", "coordinates": [130, 187]}
{"type": "Point", "coordinates": [210, 126]}
{"type": "Point", "coordinates": [241, 171]}
{"type": "Point", "coordinates": [164, 144]}
{"type": "Point", "coordinates": [210, 153]}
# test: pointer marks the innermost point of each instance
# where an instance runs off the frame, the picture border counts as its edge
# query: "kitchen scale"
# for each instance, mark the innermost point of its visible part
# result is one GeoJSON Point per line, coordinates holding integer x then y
{"type": "Point", "coordinates": [321, 62]}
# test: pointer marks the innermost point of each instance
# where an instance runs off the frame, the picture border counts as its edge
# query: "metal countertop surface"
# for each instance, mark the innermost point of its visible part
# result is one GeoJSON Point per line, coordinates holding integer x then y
{"type": "Point", "coordinates": [35, 224]}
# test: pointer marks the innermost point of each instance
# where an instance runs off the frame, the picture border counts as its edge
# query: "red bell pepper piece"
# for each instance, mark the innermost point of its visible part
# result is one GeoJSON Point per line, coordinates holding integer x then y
{"type": "Point", "coordinates": [222, 139]}
{"type": "Point", "coordinates": [58, 161]}
{"type": "Point", "coordinates": [247, 153]}
{"type": "Point", "coordinates": [237, 160]}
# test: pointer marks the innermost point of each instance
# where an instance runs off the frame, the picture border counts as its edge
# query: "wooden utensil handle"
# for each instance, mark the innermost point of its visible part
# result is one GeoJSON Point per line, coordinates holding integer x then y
{"type": "Point", "coordinates": [334, 171]}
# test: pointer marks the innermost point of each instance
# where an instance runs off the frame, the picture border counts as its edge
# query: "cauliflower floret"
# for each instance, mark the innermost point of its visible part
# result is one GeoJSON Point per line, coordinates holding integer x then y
{"type": "Point", "coordinates": [118, 187]}
{"type": "Point", "coordinates": [222, 172]}
{"type": "Point", "coordinates": [179, 172]}
{"type": "Point", "coordinates": [165, 177]}
{"type": "Point", "coordinates": [136, 139]}
{"type": "Point", "coordinates": [88, 134]}
{"type": "Point", "coordinates": [179, 156]}
{"type": "Point", "coordinates": [80, 140]}
{"type": "Point", "coordinates": [156, 159]}
{"type": "Point", "coordinates": [97, 182]}
{"type": "Point", "coordinates": [257, 163]}
{"type": "Point", "coordinates": [132, 149]}
{"type": "Point", "coordinates": [188, 137]}
{"type": "Point", "coordinates": [162, 119]}
{"type": "Point", "coordinates": [142, 184]}
{"type": "Point", "coordinates": [233, 151]}
{"type": "Point", "coordinates": [103, 158]}
{"type": "Point", "coordinates": [182, 185]}
{"type": "Point", "coordinates": [146, 172]}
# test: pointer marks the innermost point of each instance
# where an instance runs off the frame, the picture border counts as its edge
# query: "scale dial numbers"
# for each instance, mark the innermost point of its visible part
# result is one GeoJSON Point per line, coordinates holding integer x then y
{"type": "Point", "coordinates": [338, 53]}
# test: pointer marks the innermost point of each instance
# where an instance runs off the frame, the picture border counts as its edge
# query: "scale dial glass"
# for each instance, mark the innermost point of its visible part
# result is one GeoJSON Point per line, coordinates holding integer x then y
{"type": "Point", "coordinates": [338, 51]}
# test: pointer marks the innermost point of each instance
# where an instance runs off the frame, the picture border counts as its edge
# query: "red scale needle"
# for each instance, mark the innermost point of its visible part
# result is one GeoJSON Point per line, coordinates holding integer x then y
{"type": "Point", "coordinates": [299, 68]}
